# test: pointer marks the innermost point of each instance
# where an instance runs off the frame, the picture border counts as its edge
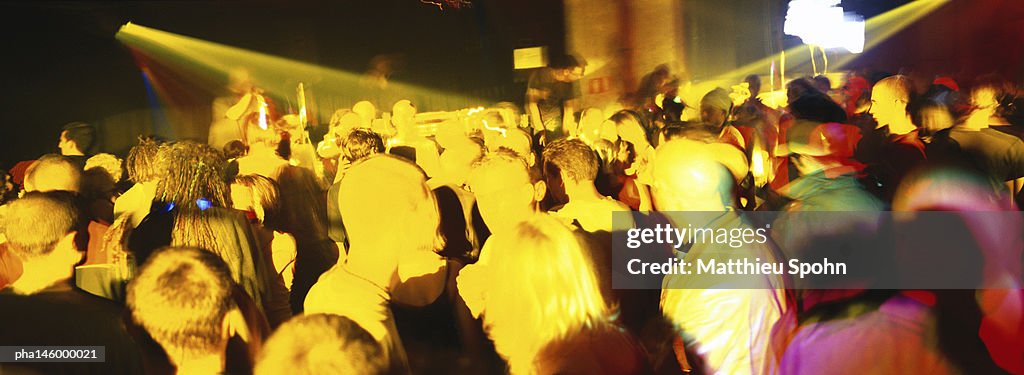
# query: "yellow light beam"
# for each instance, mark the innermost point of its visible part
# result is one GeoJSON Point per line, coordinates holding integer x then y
{"type": "Point", "coordinates": [211, 62]}
{"type": "Point", "coordinates": [876, 30]}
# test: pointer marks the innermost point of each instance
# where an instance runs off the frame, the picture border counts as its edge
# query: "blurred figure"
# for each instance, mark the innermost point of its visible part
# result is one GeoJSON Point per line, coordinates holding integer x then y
{"type": "Point", "coordinates": [76, 140]}
{"type": "Point", "coordinates": [43, 307]}
{"type": "Point", "coordinates": [259, 196]}
{"type": "Point", "coordinates": [182, 297]}
{"type": "Point", "coordinates": [302, 151]}
{"type": "Point", "coordinates": [304, 216]}
{"type": "Point", "coordinates": [263, 158]}
{"type": "Point", "coordinates": [715, 110]}
{"type": "Point", "coordinates": [224, 128]}
{"type": "Point", "coordinates": [144, 169]}
{"type": "Point", "coordinates": [635, 151]}
{"type": "Point", "coordinates": [827, 183]}
{"type": "Point", "coordinates": [392, 224]}
{"type": "Point", "coordinates": [547, 317]}
{"type": "Point", "coordinates": [571, 168]}
{"type": "Point", "coordinates": [822, 83]}
{"type": "Point", "coordinates": [589, 129]}
{"type": "Point", "coordinates": [551, 96]}
{"type": "Point", "coordinates": [319, 344]}
{"type": "Point", "coordinates": [729, 328]}
{"type": "Point", "coordinates": [938, 331]}
{"type": "Point", "coordinates": [991, 152]}
{"type": "Point", "coordinates": [367, 113]}
{"type": "Point", "coordinates": [408, 142]}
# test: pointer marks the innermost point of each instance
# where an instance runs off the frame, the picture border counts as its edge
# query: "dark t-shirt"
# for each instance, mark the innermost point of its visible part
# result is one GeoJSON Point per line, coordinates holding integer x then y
{"type": "Point", "coordinates": [1000, 155]}
{"type": "Point", "coordinates": [62, 315]}
{"type": "Point", "coordinates": [551, 94]}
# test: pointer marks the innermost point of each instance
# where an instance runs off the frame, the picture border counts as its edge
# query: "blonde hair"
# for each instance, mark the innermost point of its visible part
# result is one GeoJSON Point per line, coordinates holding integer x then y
{"type": "Point", "coordinates": [540, 286]}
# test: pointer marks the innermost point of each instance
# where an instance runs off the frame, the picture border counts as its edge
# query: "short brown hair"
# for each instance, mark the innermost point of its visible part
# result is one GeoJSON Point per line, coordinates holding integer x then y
{"type": "Point", "coordinates": [181, 296]}
{"type": "Point", "coordinates": [321, 343]}
{"type": "Point", "coordinates": [35, 223]}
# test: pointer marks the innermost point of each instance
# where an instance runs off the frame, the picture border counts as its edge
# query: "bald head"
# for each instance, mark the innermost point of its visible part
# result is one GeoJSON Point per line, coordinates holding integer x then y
{"type": "Point", "coordinates": [53, 173]}
{"type": "Point", "coordinates": [689, 180]}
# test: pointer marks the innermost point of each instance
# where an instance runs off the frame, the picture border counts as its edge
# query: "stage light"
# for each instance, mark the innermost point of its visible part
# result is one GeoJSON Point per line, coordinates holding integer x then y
{"type": "Point", "coordinates": [824, 24]}
{"type": "Point", "coordinates": [205, 65]}
{"type": "Point", "coordinates": [876, 30]}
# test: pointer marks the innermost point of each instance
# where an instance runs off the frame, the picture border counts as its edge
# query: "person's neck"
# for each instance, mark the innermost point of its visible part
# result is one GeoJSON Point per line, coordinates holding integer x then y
{"type": "Point", "coordinates": [36, 277]}
{"type": "Point", "coordinates": [977, 120]}
{"type": "Point", "coordinates": [583, 191]}
{"type": "Point", "coordinates": [362, 262]}
{"type": "Point", "coordinates": [902, 126]}
{"type": "Point", "coordinates": [262, 151]}
{"type": "Point", "coordinates": [74, 152]}
{"type": "Point", "coordinates": [208, 364]}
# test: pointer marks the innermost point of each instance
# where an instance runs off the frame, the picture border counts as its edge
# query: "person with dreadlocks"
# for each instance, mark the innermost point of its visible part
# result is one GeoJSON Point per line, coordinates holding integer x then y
{"type": "Point", "coordinates": [191, 207]}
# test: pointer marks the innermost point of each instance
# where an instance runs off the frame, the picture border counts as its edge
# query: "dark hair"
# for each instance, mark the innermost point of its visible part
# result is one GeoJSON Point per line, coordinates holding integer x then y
{"type": "Point", "coordinates": [303, 203]}
{"type": "Point", "coordinates": [567, 61]}
{"type": "Point", "coordinates": [142, 163]}
{"type": "Point", "coordinates": [361, 143]}
{"type": "Point", "coordinates": [82, 134]}
{"type": "Point", "coordinates": [235, 149]}
{"type": "Point", "coordinates": [35, 223]}
{"type": "Point", "coordinates": [753, 83]}
{"type": "Point", "coordinates": [571, 156]}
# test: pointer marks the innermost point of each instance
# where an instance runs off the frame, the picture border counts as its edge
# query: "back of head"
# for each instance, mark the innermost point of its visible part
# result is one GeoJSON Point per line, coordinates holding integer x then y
{"type": "Point", "coordinates": [564, 292]}
{"type": "Point", "coordinates": [181, 297]}
{"type": "Point", "coordinates": [822, 83]}
{"type": "Point", "coordinates": [360, 144]}
{"type": "Point", "coordinates": [82, 134]}
{"type": "Point", "coordinates": [51, 173]}
{"type": "Point", "coordinates": [108, 163]}
{"type": "Point", "coordinates": [685, 178]}
{"type": "Point", "coordinates": [142, 163]}
{"type": "Point", "coordinates": [35, 223]}
{"type": "Point", "coordinates": [367, 112]}
{"type": "Point", "coordinates": [573, 158]}
{"type": "Point", "coordinates": [753, 84]}
{"type": "Point", "coordinates": [567, 61]}
{"type": "Point", "coordinates": [303, 203]}
{"type": "Point", "coordinates": [192, 171]}
{"type": "Point", "coordinates": [235, 149]}
{"type": "Point", "coordinates": [321, 343]}
{"type": "Point", "coordinates": [383, 198]}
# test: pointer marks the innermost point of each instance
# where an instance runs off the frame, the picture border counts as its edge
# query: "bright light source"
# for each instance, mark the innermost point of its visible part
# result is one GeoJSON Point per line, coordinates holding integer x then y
{"type": "Point", "coordinates": [822, 23]}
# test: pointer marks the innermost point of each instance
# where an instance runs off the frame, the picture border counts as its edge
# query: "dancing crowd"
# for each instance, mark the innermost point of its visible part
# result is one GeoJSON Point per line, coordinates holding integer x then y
{"type": "Point", "coordinates": [479, 241]}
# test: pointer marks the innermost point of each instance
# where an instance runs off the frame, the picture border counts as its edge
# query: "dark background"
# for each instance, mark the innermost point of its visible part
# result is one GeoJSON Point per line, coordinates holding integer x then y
{"type": "Point", "coordinates": [61, 63]}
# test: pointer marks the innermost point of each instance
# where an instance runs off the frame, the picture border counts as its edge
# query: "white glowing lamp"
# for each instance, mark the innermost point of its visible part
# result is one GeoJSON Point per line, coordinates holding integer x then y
{"type": "Point", "coordinates": [822, 23]}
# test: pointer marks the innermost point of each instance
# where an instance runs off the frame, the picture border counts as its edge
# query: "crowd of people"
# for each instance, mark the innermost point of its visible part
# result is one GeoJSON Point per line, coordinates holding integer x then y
{"type": "Point", "coordinates": [485, 246]}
